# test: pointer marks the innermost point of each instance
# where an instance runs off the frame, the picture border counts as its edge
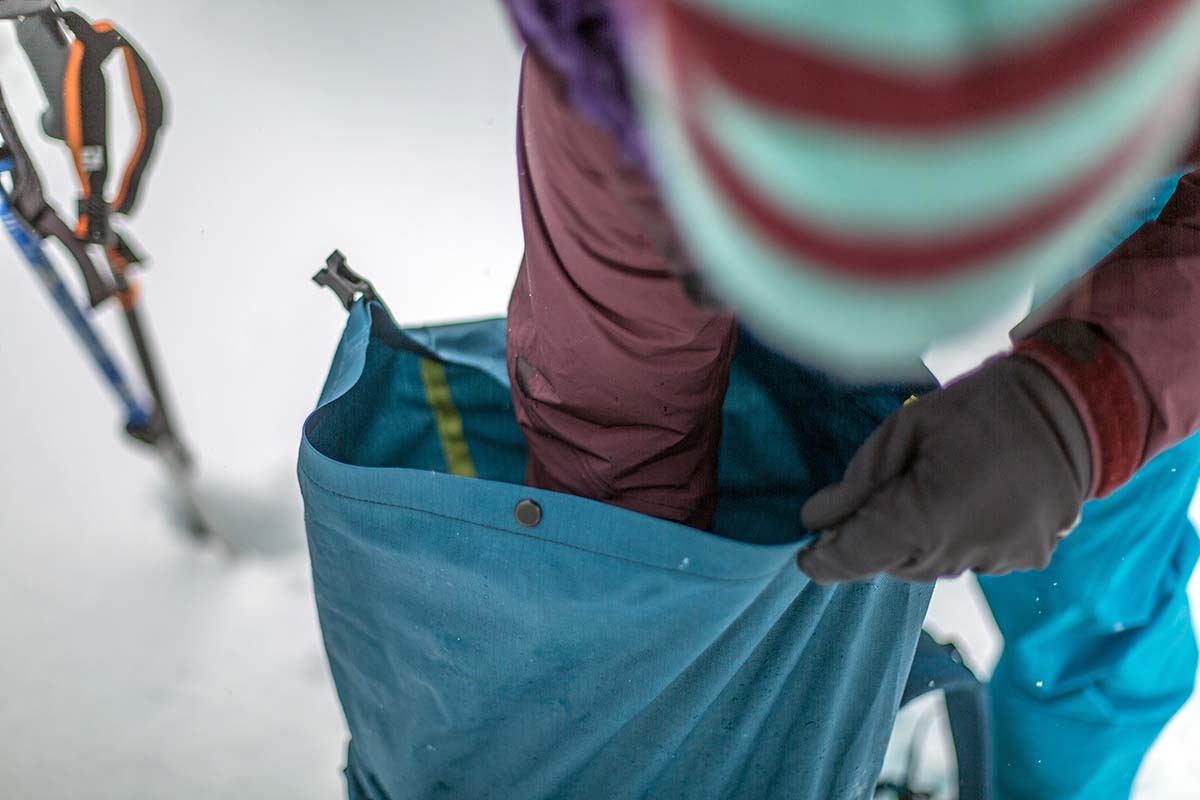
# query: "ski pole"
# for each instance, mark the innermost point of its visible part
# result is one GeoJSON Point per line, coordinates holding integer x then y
{"type": "Point", "coordinates": [127, 293]}
{"type": "Point", "coordinates": [141, 423]}
{"type": "Point", "coordinates": [138, 417]}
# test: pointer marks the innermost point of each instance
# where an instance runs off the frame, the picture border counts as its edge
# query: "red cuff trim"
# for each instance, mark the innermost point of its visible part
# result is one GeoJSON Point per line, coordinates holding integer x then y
{"type": "Point", "coordinates": [1104, 395]}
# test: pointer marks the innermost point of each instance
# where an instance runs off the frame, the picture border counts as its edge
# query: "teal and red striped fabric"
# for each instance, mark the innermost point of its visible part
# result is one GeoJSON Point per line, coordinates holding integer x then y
{"type": "Point", "coordinates": [862, 179]}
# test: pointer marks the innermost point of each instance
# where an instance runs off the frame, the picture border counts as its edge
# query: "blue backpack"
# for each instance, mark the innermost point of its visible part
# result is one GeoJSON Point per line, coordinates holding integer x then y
{"type": "Point", "coordinates": [490, 640]}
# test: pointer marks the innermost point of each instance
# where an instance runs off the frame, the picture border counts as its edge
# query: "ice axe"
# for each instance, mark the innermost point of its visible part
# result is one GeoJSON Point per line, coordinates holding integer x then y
{"type": "Point", "coordinates": [68, 53]}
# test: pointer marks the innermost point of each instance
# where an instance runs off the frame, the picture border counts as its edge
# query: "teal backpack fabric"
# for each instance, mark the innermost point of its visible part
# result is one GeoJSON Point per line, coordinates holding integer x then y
{"type": "Point", "coordinates": [490, 640]}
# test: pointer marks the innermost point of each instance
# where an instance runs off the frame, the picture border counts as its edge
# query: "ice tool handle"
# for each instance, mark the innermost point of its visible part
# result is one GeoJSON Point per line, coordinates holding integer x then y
{"type": "Point", "coordinates": [14, 9]}
{"type": "Point", "coordinates": [71, 71]}
{"type": "Point", "coordinates": [28, 202]}
{"type": "Point", "coordinates": [47, 49]}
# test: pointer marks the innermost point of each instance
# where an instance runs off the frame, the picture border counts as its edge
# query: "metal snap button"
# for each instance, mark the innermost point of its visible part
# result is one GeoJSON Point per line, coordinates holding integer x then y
{"type": "Point", "coordinates": [528, 514]}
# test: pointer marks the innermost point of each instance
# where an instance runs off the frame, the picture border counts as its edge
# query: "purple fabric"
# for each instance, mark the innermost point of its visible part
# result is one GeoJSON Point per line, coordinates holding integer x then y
{"type": "Point", "coordinates": [578, 39]}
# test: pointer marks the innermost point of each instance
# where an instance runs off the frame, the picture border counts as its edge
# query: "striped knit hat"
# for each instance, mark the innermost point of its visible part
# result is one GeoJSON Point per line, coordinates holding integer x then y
{"type": "Point", "coordinates": [859, 180]}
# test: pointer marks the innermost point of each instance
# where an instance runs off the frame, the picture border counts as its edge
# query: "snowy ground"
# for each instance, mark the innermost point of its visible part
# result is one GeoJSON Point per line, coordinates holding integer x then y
{"type": "Point", "coordinates": [133, 664]}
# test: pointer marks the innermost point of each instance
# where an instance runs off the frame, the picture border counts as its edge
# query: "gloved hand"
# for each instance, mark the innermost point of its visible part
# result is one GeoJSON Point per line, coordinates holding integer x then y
{"type": "Point", "coordinates": [987, 474]}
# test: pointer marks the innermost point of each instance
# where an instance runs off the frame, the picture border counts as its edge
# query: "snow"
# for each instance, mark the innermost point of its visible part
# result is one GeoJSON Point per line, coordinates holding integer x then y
{"type": "Point", "coordinates": [135, 664]}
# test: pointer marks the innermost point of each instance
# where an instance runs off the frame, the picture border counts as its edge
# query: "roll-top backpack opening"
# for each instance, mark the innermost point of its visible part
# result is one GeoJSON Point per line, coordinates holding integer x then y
{"type": "Point", "coordinates": [491, 640]}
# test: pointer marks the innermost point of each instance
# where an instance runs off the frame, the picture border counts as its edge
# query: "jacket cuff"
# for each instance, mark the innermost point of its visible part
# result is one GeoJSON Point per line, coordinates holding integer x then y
{"type": "Point", "coordinates": [1108, 398]}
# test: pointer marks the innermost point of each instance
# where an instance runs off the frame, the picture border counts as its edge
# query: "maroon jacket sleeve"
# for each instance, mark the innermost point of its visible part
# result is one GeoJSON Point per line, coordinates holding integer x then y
{"type": "Point", "coordinates": [618, 380]}
{"type": "Point", "coordinates": [1138, 392]}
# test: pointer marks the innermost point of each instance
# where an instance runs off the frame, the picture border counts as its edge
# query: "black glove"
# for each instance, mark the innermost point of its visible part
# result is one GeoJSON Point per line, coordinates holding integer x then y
{"type": "Point", "coordinates": [987, 474]}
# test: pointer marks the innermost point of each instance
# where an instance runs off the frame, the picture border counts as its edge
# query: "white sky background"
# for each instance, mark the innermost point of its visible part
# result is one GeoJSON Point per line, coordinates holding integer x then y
{"type": "Point", "coordinates": [133, 665]}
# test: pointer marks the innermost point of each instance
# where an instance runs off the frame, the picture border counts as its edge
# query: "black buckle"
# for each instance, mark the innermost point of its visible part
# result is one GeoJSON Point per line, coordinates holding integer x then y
{"type": "Point", "coordinates": [347, 284]}
{"type": "Point", "coordinates": [96, 211]}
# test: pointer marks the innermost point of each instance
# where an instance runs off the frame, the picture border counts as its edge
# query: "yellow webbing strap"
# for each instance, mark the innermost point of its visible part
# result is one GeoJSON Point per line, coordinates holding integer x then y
{"type": "Point", "coordinates": [449, 421]}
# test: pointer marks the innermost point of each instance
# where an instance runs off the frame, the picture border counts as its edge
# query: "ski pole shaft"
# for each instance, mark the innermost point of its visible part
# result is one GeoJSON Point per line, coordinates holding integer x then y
{"type": "Point", "coordinates": [127, 293]}
{"type": "Point", "coordinates": [140, 423]}
{"type": "Point", "coordinates": [31, 249]}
